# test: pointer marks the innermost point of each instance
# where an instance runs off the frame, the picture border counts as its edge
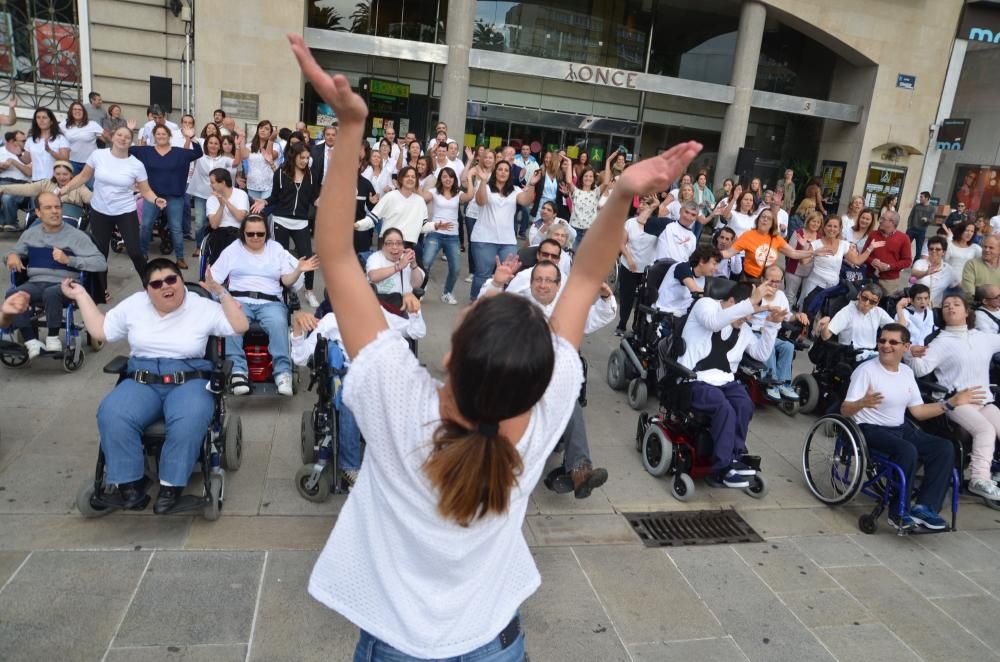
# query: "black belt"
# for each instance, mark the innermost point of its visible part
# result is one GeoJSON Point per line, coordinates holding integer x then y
{"type": "Point", "coordinates": [256, 295]}
{"type": "Point", "coordinates": [146, 377]}
{"type": "Point", "coordinates": [509, 633]}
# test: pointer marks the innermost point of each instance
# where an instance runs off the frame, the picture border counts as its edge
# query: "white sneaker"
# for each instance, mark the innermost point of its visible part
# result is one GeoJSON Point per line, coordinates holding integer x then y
{"type": "Point", "coordinates": [985, 488]}
{"type": "Point", "coordinates": [52, 344]}
{"type": "Point", "coordinates": [444, 258]}
{"type": "Point", "coordinates": [449, 299]}
{"type": "Point", "coordinates": [311, 299]}
{"type": "Point", "coordinates": [468, 279]}
{"type": "Point", "coordinates": [34, 348]}
{"type": "Point", "coordinates": [284, 382]}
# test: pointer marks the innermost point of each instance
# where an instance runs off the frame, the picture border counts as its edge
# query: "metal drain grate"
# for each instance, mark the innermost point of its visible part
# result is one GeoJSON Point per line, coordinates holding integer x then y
{"type": "Point", "coordinates": [692, 527]}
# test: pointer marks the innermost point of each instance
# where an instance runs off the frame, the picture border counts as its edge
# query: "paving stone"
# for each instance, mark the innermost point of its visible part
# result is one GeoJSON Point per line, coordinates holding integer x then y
{"type": "Point", "coordinates": [702, 650]}
{"type": "Point", "coordinates": [208, 653]}
{"type": "Point", "coordinates": [781, 523]}
{"type": "Point", "coordinates": [291, 625]}
{"type": "Point", "coordinates": [988, 580]}
{"type": "Point", "coordinates": [867, 641]}
{"type": "Point", "coordinates": [563, 621]}
{"type": "Point", "coordinates": [964, 551]}
{"type": "Point", "coordinates": [783, 567]}
{"type": "Point", "coordinates": [230, 532]}
{"type": "Point", "coordinates": [581, 530]}
{"type": "Point", "coordinates": [827, 607]}
{"type": "Point", "coordinates": [749, 611]}
{"type": "Point", "coordinates": [9, 562]}
{"type": "Point", "coordinates": [180, 590]}
{"type": "Point", "coordinates": [65, 605]}
{"type": "Point", "coordinates": [116, 531]}
{"type": "Point", "coordinates": [833, 551]}
{"type": "Point", "coordinates": [979, 614]}
{"type": "Point", "coordinates": [36, 483]}
{"type": "Point", "coordinates": [909, 615]}
{"type": "Point", "coordinates": [547, 502]}
{"type": "Point", "coordinates": [282, 498]}
{"type": "Point", "coordinates": [639, 587]}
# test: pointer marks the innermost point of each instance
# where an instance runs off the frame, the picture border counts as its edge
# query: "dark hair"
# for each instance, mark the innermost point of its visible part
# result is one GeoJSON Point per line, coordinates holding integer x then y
{"type": "Point", "coordinates": [938, 241]}
{"type": "Point", "coordinates": [704, 254]}
{"type": "Point", "coordinates": [10, 135]}
{"type": "Point", "coordinates": [366, 160]}
{"type": "Point", "coordinates": [69, 115]}
{"type": "Point", "coordinates": [872, 288]}
{"type": "Point", "coordinates": [112, 107]}
{"type": "Point", "coordinates": [38, 198]}
{"type": "Point", "coordinates": [291, 156]}
{"type": "Point", "coordinates": [90, 97]}
{"type": "Point", "coordinates": [857, 222]}
{"type": "Point", "coordinates": [583, 171]}
{"type": "Point", "coordinates": [740, 292]}
{"type": "Point", "coordinates": [721, 230]}
{"type": "Point", "coordinates": [904, 333]}
{"type": "Point", "coordinates": [428, 164]}
{"type": "Point", "coordinates": [205, 134]}
{"type": "Point", "coordinates": [547, 263]}
{"type": "Point", "coordinates": [502, 360]}
{"type": "Point", "coordinates": [204, 143]}
{"type": "Point", "coordinates": [385, 233]}
{"type": "Point", "coordinates": [220, 111]}
{"type": "Point", "coordinates": [297, 135]}
{"type": "Point", "coordinates": [222, 176]}
{"type": "Point", "coordinates": [161, 127]}
{"type": "Point", "coordinates": [550, 242]}
{"type": "Point", "coordinates": [284, 133]}
{"type": "Point", "coordinates": [35, 132]}
{"type": "Point", "coordinates": [231, 141]}
{"type": "Point", "coordinates": [508, 188]}
{"type": "Point", "coordinates": [255, 145]}
{"type": "Point", "coordinates": [253, 218]}
{"type": "Point", "coordinates": [917, 288]}
{"type": "Point", "coordinates": [970, 312]}
{"type": "Point", "coordinates": [440, 187]}
{"type": "Point", "coordinates": [927, 193]}
{"type": "Point", "coordinates": [960, 228]}
{"type": "Point", "coordinates": [551, 204]}
{"type": "Point", "coordinates": [403, 172]}
{"type": "Point", "coordinates": [159, 264]}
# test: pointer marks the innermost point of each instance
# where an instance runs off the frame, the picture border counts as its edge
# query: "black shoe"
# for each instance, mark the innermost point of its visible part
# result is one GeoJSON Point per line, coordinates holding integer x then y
{"type": "Point", "coordinates": [130, 496]}
{"type": "Point", "coordinates": [586, 480]}
{"type": "Point", "coordinates": [166, 499]}
{"type": "Point", "coordinates": [726, 478]}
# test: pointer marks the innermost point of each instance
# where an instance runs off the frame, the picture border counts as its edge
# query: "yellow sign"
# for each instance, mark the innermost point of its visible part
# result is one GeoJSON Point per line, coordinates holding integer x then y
{"type": "Point", "coordinates": [495, 141]}
{"type": "Point", "coordinates": [470, 140]}
{"type": "Point", "coordinates": [572, 151]}
{"type": "Point", "coordinates": [389, 89]}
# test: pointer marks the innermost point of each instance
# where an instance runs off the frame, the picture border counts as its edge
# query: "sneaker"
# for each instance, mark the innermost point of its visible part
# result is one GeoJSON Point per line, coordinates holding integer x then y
{"type": "Point", "coordinates": [905, 523]}
{"type": "Point", "coordinates": [53, 344]}
{"type": "Point", "coordinates": [468, 279]}
{"type": "Point", "coordinates": [741, 469]}
{"type": "Point", "coordinates": [239, 384]}
{"type": "Point", "coordinates": [985, 488]}
{"type": "Point", "coordinates": [444, 258]}
{"type": "Point", "coordinates": [449, 299]}
{"type": "Point", "coordinates": [788, 392]}
{"type": "Point", "coordinates": [586, 480]}
{"type": "Point", "coordinates": [726, 478]}
{"type": "Point", "coordinates": [311, 299]}
{"type": "Point", "coordinates": [34, 348]}
{"type": "Point", "coordinates": [927, 518]}
{"type": "Point", "coordinates": [772, 393]}
{"type": "Point", "coordinates": [619, 332]}
{"type": "Point", "coordinates": [350, 477]}
{"type": "Point", "coordinates": [284, 382]}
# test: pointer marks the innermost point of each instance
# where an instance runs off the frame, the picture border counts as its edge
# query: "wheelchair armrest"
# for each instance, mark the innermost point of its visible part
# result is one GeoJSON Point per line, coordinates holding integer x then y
{"type": "Point", "coordinates": [672, 365]}
{"type": "Point", "coordinates": [116, 366]}
{"type": "Point", "coordinates": [932, 387]}
{"type": "Point", "coordinates": [753, 364]}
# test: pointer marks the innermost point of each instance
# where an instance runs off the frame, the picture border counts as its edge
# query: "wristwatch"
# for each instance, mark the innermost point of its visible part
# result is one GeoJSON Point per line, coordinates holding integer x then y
{"type": "Point", "coordinates": [948, 406]}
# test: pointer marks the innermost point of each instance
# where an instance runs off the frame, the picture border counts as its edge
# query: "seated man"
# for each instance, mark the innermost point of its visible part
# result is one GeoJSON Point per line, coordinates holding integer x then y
{"type": "Point", "coordinates": [857, 323]}
{"type": "Point", "coordinates": [549, 250]}
{"type": "Point", "coordinates": [685, 279]}
{"type": "Point", "coordinates": [54, 251]}
{"type": "Point", "coordinates": [916, 314]}
{"type": "Point", "coordinates": [546, 286]}
{"type": "Point", "coordinates": [988, 312]}
{"type": "Point", "coordinates": [716, 336]}
{"type": "Point", "coordinates": [779, 363]}
{"type": "Point", "coordinates": [881, 392]}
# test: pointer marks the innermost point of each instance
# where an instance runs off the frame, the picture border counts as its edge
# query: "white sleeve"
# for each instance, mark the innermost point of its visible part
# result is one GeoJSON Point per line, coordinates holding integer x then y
{"type": "Point", "coordinates": [716, 318]}
{"type": "Point", "coordinates": [303, 347]}
{"type": "Point", "coordinates": [761, 346]}
{"type": "Point", "coordinates": [839, 321]}
{"type": "Point", "coordinates": [602, 313]}
{"type": "Point", "coordinates": [984, 324]}
{"type": "Point", "coordinates": [534, 235]}
{"type": "Point", "coordinates": [211, 205]}
{"type": "Point", "coordinates": [859, 384]}
{"type": "Point", "coordinates": [217, 324]}
{"type": "Point", "coordinates": [222, 266]}
{"type": "Point", "coordinates": [115, 323]}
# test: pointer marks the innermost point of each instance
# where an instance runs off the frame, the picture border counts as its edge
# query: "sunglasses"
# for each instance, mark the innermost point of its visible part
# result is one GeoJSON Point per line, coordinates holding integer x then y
{"type": "Point", "coordinates": [871, 300]}
{"type": "Point", "coordinates": [160, 282]}
{"type": "Point", "coordinates": [259, 235]}
{"type": "Point", "coordinates": [890, 341]}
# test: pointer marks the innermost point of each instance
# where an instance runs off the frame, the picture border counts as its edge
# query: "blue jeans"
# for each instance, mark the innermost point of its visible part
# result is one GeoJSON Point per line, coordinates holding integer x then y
{"type": "Point", "coordinates": [918, 235]}
{"type": "Point", "coordinates": [435, 242]}
{"type": "Point", "coordinates": [484, 259]}
{"type": "Point", "coordinates": [186, 218]}
{"type": "Point", "coordinates": [132, 407]}
{"type": "Point", "coordinates": [200, 219]}
{"type": "Point", "coordinates": [10, 205]}
{"type": "Point", "coordinates": [348, 441]}
{"type": "Point", "coordinates": [907, 446]}
{"type": "Point", "coordinates": [522, 220]}
{"type": "Point", "coordinates": [371, 649]}
{"type": "Point", "coordinates": [779, 364]}
{"type": "Point", "coordinates": [256, 194]}
{"type": "Point", "coordinates": [579, 237]}
{"type": "Point", "coordinates": [175, 212]}
{"type": "Point", "coordinates": [273, 316]}
{"type": "Point", "coordinates": [77, 168]}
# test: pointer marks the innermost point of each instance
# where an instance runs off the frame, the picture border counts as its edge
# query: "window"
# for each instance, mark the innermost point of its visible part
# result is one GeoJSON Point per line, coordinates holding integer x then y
{"type": "Point", "coordinates": [40, 52]}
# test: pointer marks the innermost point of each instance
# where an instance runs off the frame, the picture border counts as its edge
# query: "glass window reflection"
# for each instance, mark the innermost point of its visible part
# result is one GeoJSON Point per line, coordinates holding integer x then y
{"type": "Point", "coordinates": [414, 20]}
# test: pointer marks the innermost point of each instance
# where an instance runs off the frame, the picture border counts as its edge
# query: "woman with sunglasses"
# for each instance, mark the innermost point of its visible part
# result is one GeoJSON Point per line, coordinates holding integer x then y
{"type": "Point", "coordinates": [167, 329]}
{"type": "Point", "coordinates": [393, 270]}
{"type": "Point", "coordinates": [256, 269]}
{"type": "Point", "coordinates": [934, 271]}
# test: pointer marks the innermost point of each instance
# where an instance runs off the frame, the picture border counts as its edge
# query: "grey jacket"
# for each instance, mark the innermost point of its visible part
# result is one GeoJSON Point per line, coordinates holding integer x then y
{"type": "Point", "coordinates": [84, 257]}
{"type": "Point", "coordinates": [921, 216]}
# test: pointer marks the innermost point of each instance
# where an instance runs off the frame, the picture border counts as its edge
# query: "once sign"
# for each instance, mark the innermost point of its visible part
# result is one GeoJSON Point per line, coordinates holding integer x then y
{"type": "Point", "coordinates": [584, 73]}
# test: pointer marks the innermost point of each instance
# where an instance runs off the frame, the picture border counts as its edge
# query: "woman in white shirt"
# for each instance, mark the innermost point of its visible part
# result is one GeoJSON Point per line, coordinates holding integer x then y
{"type": "Point", "coordinates": [857, 235]}
{"type": "Point", "coordinates": [853, 210]}
{"type": "Point", "coordinates": [167, 329]}
{"type": "Point", "coordinates": [444, 200]}
{"type": "Point", "coordinates": [540, 230]}
{"type": "Point", "coordinates": [262, 161]}
{"type": "Point", "coordinates": [378, 174]}
{"type": "Point", "coordinates": [741, 212]}
{"type": "Point", "coordinates": [471, 182]}
{"type": "Point", "coordinates": [450, 466]}
{"type": "Point", "coordinates": [82, 135]}
{"type": "Point", "coordinates": [393, 271]}
{"type": "Point", "coordinates": [934, 271]}
{"type": "Point", "coordinates": [584, 197]}
{"type": "Point", "coordinates": [961, 247]}
{"type": "Point", "coordinates": [826, 268]}
{"type": "Point", "coordinates": [45, 145]}
{"type": "Point", "coordinates": [256, 268]}
{"type": "Point", "coordinates": [403, 209]}
{"type": "Point", "coordinates": [199, 188]}
{"type": "Point", "coordinates": [638, 249]}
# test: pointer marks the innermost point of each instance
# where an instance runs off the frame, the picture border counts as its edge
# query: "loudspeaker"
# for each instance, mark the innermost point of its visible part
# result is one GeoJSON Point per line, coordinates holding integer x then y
{"type": "Point", "coordinates": [161, 93]}
{"type": "Point", "coordinates": [745, 161]}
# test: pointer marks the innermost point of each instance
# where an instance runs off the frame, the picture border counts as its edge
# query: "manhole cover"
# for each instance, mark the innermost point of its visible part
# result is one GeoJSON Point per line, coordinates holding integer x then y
{"type": "Point", "coordinates": [691, 527]}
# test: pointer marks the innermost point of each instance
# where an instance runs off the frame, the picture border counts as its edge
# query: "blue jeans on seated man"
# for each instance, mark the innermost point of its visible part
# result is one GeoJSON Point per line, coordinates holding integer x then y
{"type": "Point", "coordinates": [175, 212]}
{"type": "Point", "coordinates": [273, 316]}
{"type": "Point", "coordinates": [731, 410]}
{"type": "Point", "coordinates": [372, 649]}
{"type": "Point", "coordinates": [51, 297]}
{"type": "Point", "coordinates": [348, 441]}
{"type": "Point", "coordinates": [435, 242]}
{"type": "Point", "coordinates": [779, 363]}
{"type": "Point", "coordinates": [9, 207]}
{"type": "Point", "coordinates": [484, 259]}
{"type": "Point", "coordinates": [908, 447]}
{"type": "Point", "coordinates": [132, 407]}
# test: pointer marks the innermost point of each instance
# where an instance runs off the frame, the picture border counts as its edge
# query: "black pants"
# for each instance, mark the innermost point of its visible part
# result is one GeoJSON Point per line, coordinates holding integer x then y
{"type": "Point", "coordinates": [102, 225]}
{"type": "Point", "coordinates": [628, 290]}
{"type": "Point", "coordinates": [303, 245]}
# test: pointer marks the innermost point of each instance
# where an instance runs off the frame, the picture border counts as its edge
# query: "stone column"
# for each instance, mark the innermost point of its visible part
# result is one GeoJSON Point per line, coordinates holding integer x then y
{"type": "Point", "coordinates": [734, 127]}
{"type": "Point", "coordinates": [455, 83]}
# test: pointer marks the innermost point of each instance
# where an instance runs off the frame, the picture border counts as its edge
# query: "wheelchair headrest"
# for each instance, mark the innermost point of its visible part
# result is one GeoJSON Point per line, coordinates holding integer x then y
{"type": "Point", "coordinates": [528, 256]}
{"type": "Point", "coordinates": [652, 279]}
{"type": "Point", "coordinates": [195, 288]}
{"type": "Point", "coordinates": [719, 288]}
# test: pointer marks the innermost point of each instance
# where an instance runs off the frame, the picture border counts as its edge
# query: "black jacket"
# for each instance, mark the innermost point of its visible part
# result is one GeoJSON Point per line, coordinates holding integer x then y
{"type": "Point", "coordinates": [318, 153]}
{"type": "Point", "coordinates": [291, 200]}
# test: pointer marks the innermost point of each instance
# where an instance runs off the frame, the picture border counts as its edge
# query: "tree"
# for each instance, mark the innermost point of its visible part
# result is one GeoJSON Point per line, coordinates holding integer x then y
{"type": "Point", "coordinates": [361, 18]}
{"type": "Point", "coordinates": [486, 36]}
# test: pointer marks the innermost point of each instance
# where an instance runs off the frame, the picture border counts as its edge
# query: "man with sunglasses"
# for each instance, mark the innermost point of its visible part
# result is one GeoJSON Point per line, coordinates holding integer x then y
{"type": "Point", "coordinates": [519, 282]}
{"type": "Point", "coordinates": [857, 323]}
{"type": "Point", "coordinates": [880, 394]}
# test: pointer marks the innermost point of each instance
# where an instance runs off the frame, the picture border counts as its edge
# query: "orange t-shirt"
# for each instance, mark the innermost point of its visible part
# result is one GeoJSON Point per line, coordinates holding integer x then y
{"type": "Point", "coordinates": [760, 251]}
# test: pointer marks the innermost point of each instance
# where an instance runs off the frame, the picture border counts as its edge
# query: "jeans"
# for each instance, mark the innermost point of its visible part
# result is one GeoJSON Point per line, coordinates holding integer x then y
{"type": "Point", "coordinates": [779, 364]}
{"type": "Point", "coordinates": [907, 446]}
{"type": "Point", "coordinates": [48, 294]}
{"type": "Point", "coordinates": [132, 407]}
{"type": "Point", "coordinates": [918, 235]}
{"type": "Point", "coordinates": [577, 454]}
{"type": "Point", "coordinates": [258, 194]}
{"type": "Point", "coordinates": [522, 219]}
{"type": "Point", "coordinates": [273, 316]}
{"type": "Point", "coordinates": [77, 169]}
{"type": "Point", "coordinates": [731, 409]}
{"type": "Point", "coordinates": [348, 441]}
{"type": "Point", "coordinates": [579, 237]}
{"type": "Point", "coordinates": [484, 259]}
{"type": "Point", "coordinates": [101, 227]}
{"type": "Point", "coordinates": [9, 207]}
{"type": "Point", "coordinates": [175, 213]}
{"type": "Point", "coordinates": [435, 242]}
{"type": "Point", "coordinates": [200, 220]}
{"type": "Point", "coordinates": [628, 290]}
{"type": "Point", "coordinates": [303, 246]}
{"type": "Point", "coordinates": [371, 649]}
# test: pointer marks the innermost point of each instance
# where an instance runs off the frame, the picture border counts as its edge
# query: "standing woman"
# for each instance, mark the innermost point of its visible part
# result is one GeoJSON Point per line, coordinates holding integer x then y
{"type": "Point", "coordinates": [82, 135]}
{"type": "Point", "coordinates": [262, 161]}
{"type": "Point", "coordinates": [444, 201]}
{"type": "Point", "coordinates": [582, 163]}
{"type": "Point", "coordinates": [365, 200]}
{"type": "Point", "coordinates": [199, 188]}
{"type": "Point", "coordinates": [761, 246]}
{"type": "Point", "coordinates": [293, 193]}
{"type": "Point", "coordinates": [471, 183]}
{"type": "Point", "coordinates": [962, 246]}
{"type": "Point", "coordinates": [114, 120]}
{"type": "Point", "coordinates": [378, 174]}
{"type": "Point", "coordinates": [741, 212]}
{"type": "Point", "coordinates": [442, 494]}
{"type": "Point", "coordinates": [167, 167]}
{"type": "Point", "coordinates": [116, 173]}
{"type": "Point", "coordinates": [857, 204]}
{"type": "Point", "coordinates": [46, 144]}
{"type": "Point", "coordinates": [758, 192]}
{"type": "Point", "coordinates": [402, 208]}
{"type": "Point", "coordinates": [703, 196]}
{"type": "Point", "coordinates": [798, 219]}
{"type": "Point", "coordinates": [230, 150]}
{"type": "Point", "coordinates": [826, 267]}
{"type": "Point", "coordinates": [857, 234]}
{"type": "Point", "coordinates": [795, 271]}
{"type": "Point", "coordinates": [585, 197]}
{"type": "Point", "coordinates": [638, 250]}
{"type": "Point", "coordinates": [891, 201]}
{"type": "Point", "coordinates": [547, 186]}
{"type": "Point", "coordinates": [207, 131]}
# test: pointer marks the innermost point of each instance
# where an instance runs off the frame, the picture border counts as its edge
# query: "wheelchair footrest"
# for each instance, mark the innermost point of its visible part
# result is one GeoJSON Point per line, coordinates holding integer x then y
{"type": "Point", "coordinates": [186, 503]}
{"type": "Point", "coordinates": [752, 461]}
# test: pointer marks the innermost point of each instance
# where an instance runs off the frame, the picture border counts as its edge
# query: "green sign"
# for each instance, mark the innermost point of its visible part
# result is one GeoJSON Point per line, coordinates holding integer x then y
{"type": "Point", "coordinates": [597, 154]}
{"type": "Point", "coordinates": [390, 89]}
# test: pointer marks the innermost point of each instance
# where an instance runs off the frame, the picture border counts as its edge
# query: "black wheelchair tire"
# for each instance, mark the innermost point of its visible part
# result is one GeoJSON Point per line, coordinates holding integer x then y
{"type": "Point", "coordinates": [308, 438]}
{"type": "Point", "coordinates": [867, 524]}
{"type": "Point", "coordinates": [617, 375]}
{"type": "Point", "coordinates": [637, 393]}
{"type": "Point", "coordinates": [86, 506]}
{"type": "Point", "coordinates": [213, 508]}
{"type": "Point", "coordinates": [807, 388]}
{"type": "Point", "coordinates": [232, 444]}
{"type": "Point", "coordinates": [324, 487]}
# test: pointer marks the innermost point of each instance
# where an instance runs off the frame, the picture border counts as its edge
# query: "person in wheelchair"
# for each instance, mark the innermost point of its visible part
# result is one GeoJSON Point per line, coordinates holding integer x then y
{"type": "Point", "coordinates": [257, 269]}
{"type": "Point", "coordinates": [520, 282]}
{"type": "Point", "coordinates": [958, 356]}
{"type": "Point", "coordinates": [729, 267]}
{"type": "Point", "coordinates": [393, 270]}
{"type": "Point", "coordinates": [915, 313]}
{"type": "Point", "coordinates": [225, 211]}
{"type": "Point", "coordinates": [881, 392]}
{"type": "Point", "coordinates": [167, 330]}
{"type": "Point", "coordinates": [685, 279]}
{"type": "Point", "coordinates": [988, 310]}
{"type": "Point", "coordinates": [779, 363]}
{"type": "Point", "coordinates": [857, 324]}
{"type": "Point", "coordinates": [53, 250]}
{"type": "Point", "coordinates": [715, 338]}
{"type": "Point", "coordinates": [74, 202]}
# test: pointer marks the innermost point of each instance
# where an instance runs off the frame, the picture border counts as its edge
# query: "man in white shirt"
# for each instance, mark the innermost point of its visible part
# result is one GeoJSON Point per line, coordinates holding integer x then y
{"type": "Point", "coordinates": [916, 314]}
{"type": "Point", "coordinates": [677, 239]}
{"type": "Point", "coordinates": [881, 392]}
{"type": "Point", "coordinates": [526, 162]}
{"type": "Point", "coordinates": [729, 267]}
{"type": "Point", "coordinates": [454, 160]}
{"type": "Point", "coordinates": [13, 171]}
{"type": "Point", "coordinates": [390, 135]}
{"type": "Point", "coordinates": [157, 119]}
{"type": "Point", "coordinates": [988, 312]}
{"type": "Point", "coordinates": [857, 324]}
{"type": "Point", "coordinates": [685, 279]}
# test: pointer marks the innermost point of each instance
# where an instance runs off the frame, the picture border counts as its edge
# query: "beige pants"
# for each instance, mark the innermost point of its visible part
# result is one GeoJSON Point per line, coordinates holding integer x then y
{"type": "Point", "coordinates": [983, 423]}
{"type": "Point", "coordinates": [891, 286]}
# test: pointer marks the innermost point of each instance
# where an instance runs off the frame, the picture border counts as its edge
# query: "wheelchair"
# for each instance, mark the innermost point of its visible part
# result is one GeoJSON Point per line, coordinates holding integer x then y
{"type": "Point", "coordinates": [221, 450]}
{"type": "Point", "coordinates": [633, 364]}
{"type": "Point", "coordinates": [161, 230]}
{"type": "Point", "coordinates": [751, 373]}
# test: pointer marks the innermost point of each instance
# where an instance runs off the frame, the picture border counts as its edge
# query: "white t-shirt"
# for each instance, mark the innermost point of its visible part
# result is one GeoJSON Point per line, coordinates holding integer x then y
{"type": "Point", "coordinates": [826, 268]}
{"type": "Point", "coordinates": [709, 323]}
{"type": "Point", "coordinates": [673, 295]}
{"type": "Point", "coordinates": [920, 324]}
{"type": "Point", "coordinates": [445, 209]}
{"type": "Point", "coordinates": [407, 214]}
{"type": "Point", "coordinates": [495, 224]}
{"type": "Point", "coordinates": [146, 132]}
{"type": "Point", "coordinates": [899, 392]}
{"type": "Point", "coordinates": [42, 161]}
{"type": "Point", "coordinates": [238, 199]}
{"type": "Point", "coordinates": [995, 223]}
{"type": "Point", "coordinates": [741, 222]}
{"type": "Point", "coordinates": [938, 281]}
{"type": "Point", "coordinates": [181, 334]}
{"type": "Point", "coordinates": [641, 245]}
{"type": "Point", "coordinates": [198, 185]}
{"type": "Point", "coordinates": [392, 565]}
{"type": "Point", "coordinates": [12, 172]}
{"type": "Point", "coordinates": [853, 328]}
{"type": "Point", "coordinates": [988, 321]}
{"type": "Point", "coordinates": [381, 182]}
{"type": "Point", "coordinates": [252, 272]}
{"type": "Point", "coordinates": [82, 139]}
{"type": "Point", "coordinates": [957, 255]}
{"type": "Point", "coordinates": [457, 166]}
{"type": "Point", "coordinates": [782, 222]}
{"type": "Point", "coordinates": [398, 283]}
{"type": "Point", "coordinates": [676, 242]}
{"type": "Point", "coordinates": [114, 179]}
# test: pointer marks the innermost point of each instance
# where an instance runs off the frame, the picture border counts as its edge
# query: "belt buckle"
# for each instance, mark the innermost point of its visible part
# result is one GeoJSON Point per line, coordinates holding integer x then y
{"type": "Point", "coordinates": [140, 376]}
{"type": "Point", "coordinates": [179, 378]}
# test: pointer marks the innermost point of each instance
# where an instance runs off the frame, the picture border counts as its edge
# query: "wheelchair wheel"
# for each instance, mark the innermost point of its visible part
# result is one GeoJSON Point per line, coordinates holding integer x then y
{"type": "Point", "coordinates": [637, 393]}
{"type": "Point", "coordinates": [789, 407]}
{"type": "Point", "coordinates": [867, 524]}
{"type": "Point", "coordinates": [683, 487]}
{"type": "Point", "coordinates": [232, 444]}
{"type": "Point", "coordinates": [73, 356]}
{"type": "Point", "coordinates": [834, 460]}
{"type": "Point", "coordinates": [657, 451]}
{"type": "Point", "coordinates": [14, 360]}
{"type": "Point", "coordinates": [308, 438]}
{"type": "Point", "coordinates": [213, 509]}
{"type": "Point", "coordinates": [617, 379]}
{"type": "Point", "coordinates": [758, 486]}
{"type": "Point", "coordinates": [640, 430]}
{"type": "Point", "coordinates": [807, 388]}
{"type": "Point", "coordinates": [990, 503]}
{"type": "Point", "coordinates": [86, 506]}
{"type": "Point", "coordinates": [321, 491]}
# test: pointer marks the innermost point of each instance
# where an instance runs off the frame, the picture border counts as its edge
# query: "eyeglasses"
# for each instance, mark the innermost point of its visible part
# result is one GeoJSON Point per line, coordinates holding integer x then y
{"type": "Point", "coordinates": [991, 298]}
{"type": "Point", "coordinates": [254, 234]}
{"type": "Point", "coordinates": [935, 249]}
{"type": "Point", "coordinates": [392, 244]}
{"type": "Point", "coordinates": [776, 283]}
{"type": "Point", "coordinates": [160, 282]}
{"type": "Point", "coordinates": [872, 300]}
{"type": "Point", "coordinates": [548, 256]}
{"type": "Point", "coordinates": [545, 281]}
{"type": "Point", "coordinates": [890, 341]}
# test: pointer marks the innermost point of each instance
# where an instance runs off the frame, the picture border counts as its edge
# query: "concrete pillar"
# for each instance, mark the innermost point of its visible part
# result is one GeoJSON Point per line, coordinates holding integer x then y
{"type": "Point", "coordinates": [455, 83]}
{"type": "Point", "coordinates": [734, 127]}
{"type": "Point", "coordinates": [933, 158]}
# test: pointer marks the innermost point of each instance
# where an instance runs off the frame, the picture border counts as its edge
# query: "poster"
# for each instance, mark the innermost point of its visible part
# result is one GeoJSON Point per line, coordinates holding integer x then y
{"type": "Point", "coordinates": [573, 151]}
{"type": "Point", "coordinates": [831, 181]}
{"type": "Point", "coordinates": [240, 104]}
{"type": "Point", "coordinates": [469, 140]}
{"type": "Point", "coordinates": [978, 187]}
{"type": "Point", "coordinates": [882, 180]}
{"type": "Point", "coordinates": [597, 154]}
{"type": "Point", "coordinates": [6, 46]}
{"type": "Point", "coordinates": [57, 52]}
{"type": "Point", "coordinates": [325, 115]}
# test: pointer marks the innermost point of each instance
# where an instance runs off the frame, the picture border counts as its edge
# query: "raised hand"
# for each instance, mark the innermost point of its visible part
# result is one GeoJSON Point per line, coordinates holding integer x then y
{"type": "Point", "coordinates": [335, 90]}
{"type": "Point", "coordinates": [918, 351]}
{"type": "Point", "coordinates": [902, 304]}
{"type": "Point", "coordinates": [16, 304]}
{"type": "Point", "coordinates": [505, 270]}
{"type": "Point", "coordinates": [188, 132]}
{"type": "Point", "coordinates": [130, 124]}
{"type": "Point", "coordinates": [307, 264]}
{"type": "Point", "coordinates": [656, 173]}
{"type": "Point", "coordinates": [409, 256]}
{"type": "Point", "coordinates": [72, 289]}
{"type": "Point", "coordinates": [303, 322]}
{"type": "Point", "coordinates": [210, 284]}
{"type": "Point", "coordinates": [257, 206]}
{"type": "Point", "coordinates": [872, 399]}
